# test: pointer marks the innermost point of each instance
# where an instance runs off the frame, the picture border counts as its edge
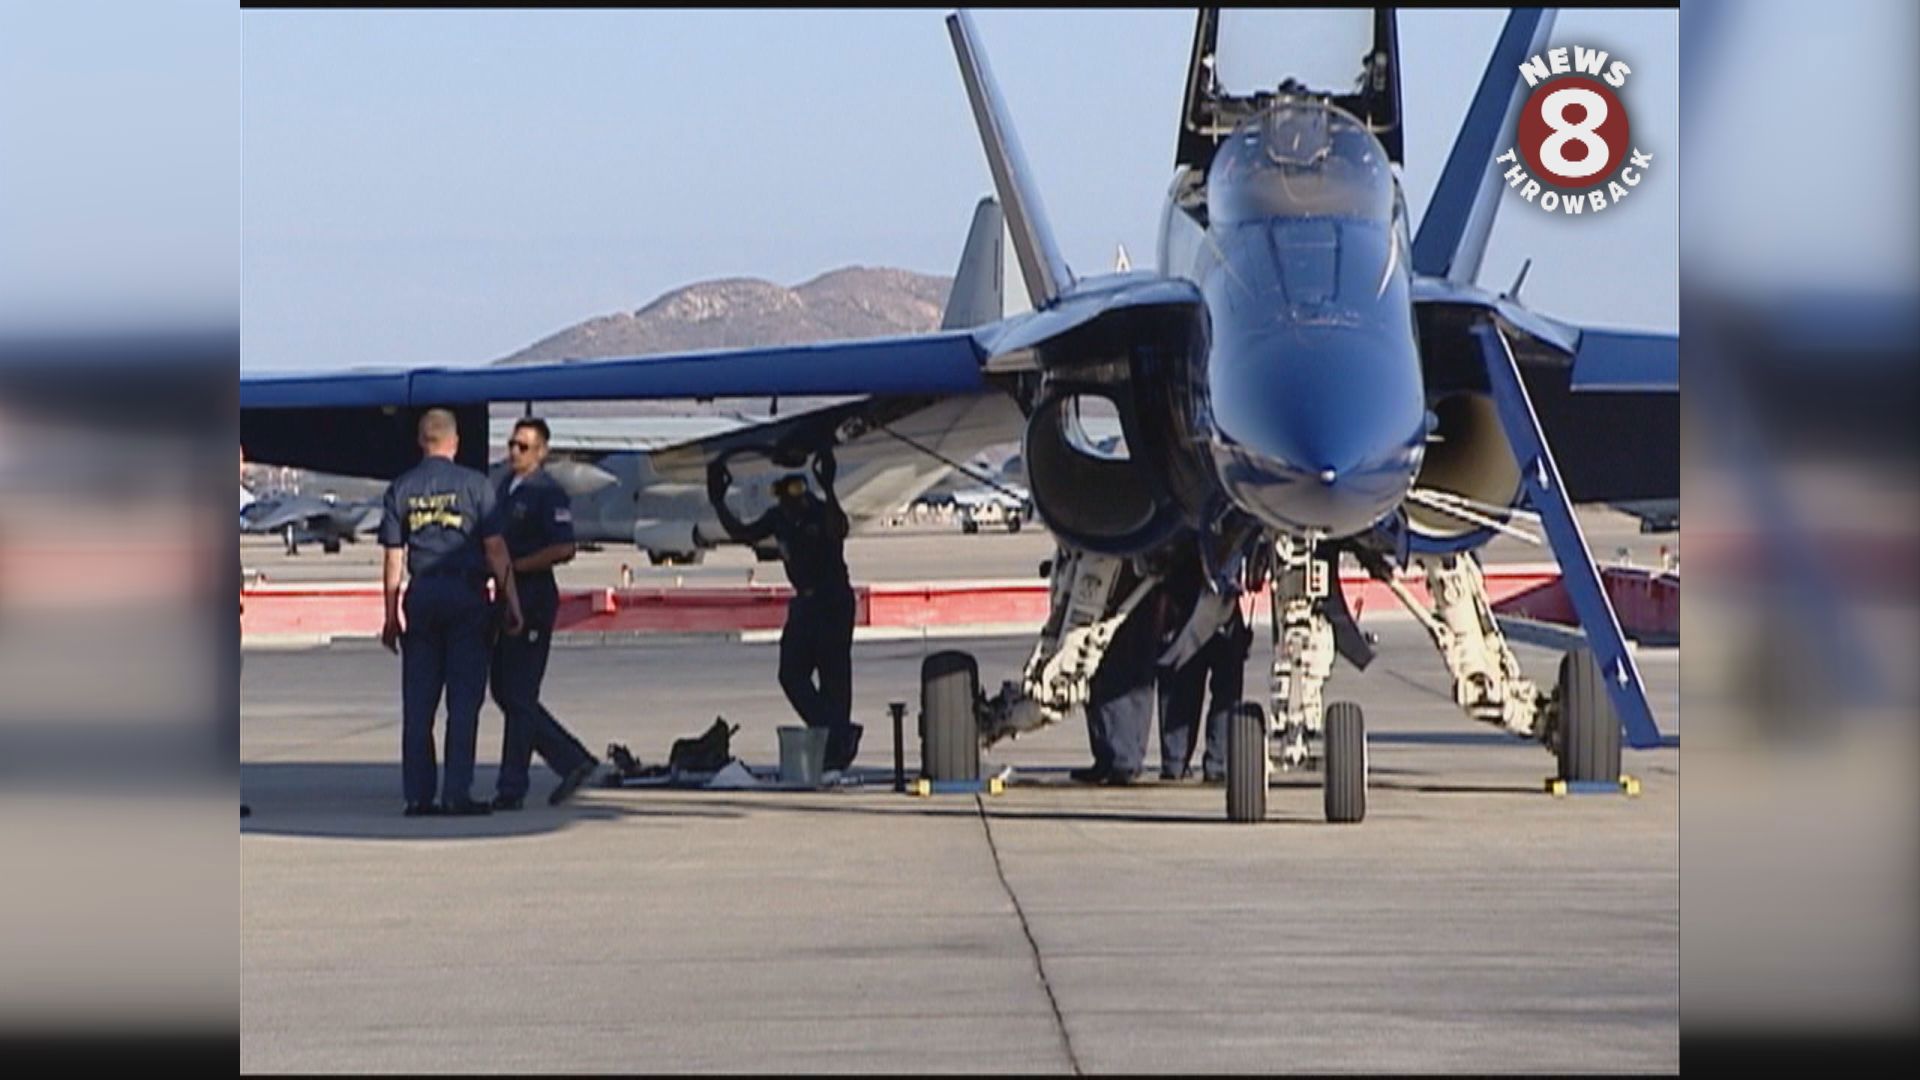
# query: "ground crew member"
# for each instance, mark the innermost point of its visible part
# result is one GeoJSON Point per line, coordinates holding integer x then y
{"type": "Point", "coordinates": [1120, 697]}
{"type": "Point", "coordinates": [818, 636]}
{"type": "Point", "coordinates": [537, 519]}
{"type": "Point", "coordinates": [1183, 685]}
{"type": "Point", "coordinates": [441, 523]}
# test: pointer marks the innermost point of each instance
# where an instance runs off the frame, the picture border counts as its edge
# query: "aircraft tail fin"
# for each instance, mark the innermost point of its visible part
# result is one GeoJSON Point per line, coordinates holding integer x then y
{"type": "Point", "coordinates": [1453, 233]}
{"type": "Point", "coordinates": [1041, 264]}
{"type": "Point", "coordinates": [977, 287]}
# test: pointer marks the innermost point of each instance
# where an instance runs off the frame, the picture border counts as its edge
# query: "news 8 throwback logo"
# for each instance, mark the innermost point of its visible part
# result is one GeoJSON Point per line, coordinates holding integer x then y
{"type": "Point", "coordinates": [1572, 151]}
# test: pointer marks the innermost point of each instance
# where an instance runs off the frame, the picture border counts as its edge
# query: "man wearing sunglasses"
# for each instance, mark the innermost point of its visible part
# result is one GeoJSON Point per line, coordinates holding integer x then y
{"type": "Point", "coordinates": [537, 521]}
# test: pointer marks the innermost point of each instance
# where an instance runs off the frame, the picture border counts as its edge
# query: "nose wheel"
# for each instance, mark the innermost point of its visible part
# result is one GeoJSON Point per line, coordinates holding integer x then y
{"type": "Point", "coordinates": [1345, 783]}
{"type": "Point", "coordinates": [1251, 755]}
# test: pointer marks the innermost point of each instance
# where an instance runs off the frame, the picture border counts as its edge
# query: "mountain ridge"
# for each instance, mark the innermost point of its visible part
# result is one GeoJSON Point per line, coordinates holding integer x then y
{"type": "Point", "coordinates": [848, 303]}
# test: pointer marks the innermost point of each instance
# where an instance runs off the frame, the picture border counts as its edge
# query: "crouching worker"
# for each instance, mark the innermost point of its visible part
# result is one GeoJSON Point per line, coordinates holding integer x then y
{"type": "Point", "coordinates": [818, 636]}
{"type": "Point", "coordinates": [537, 520]}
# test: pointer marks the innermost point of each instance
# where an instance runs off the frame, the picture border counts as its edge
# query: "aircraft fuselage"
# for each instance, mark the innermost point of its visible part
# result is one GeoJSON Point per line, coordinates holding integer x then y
{"type": "Point", "coordinates": [1308, 397]}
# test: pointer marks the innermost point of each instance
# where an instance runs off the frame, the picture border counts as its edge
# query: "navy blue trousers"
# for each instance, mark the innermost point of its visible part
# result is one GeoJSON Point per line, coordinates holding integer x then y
{"type": "Point", "coordinates": [519, 667]}
{"type": "Point", "coordinates": [1223, 662]}
{"type": "Point", "coordinates": [818, 638]}
{"type": "Point", "coordinates": [1120, 699]}
{"type": "Point", "coordinates": [445, 649]}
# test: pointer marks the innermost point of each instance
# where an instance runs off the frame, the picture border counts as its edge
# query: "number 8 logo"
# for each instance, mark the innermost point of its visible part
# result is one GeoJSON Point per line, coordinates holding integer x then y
{"type": "Point", "coordinates": [1573, 132]}
{"type": "Point", "coordinates": [1553, 150]}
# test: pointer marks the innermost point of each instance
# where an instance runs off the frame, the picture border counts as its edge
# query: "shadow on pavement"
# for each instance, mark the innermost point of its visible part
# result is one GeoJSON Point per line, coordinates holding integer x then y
{"type": "Point", "coordinates": [362, 801]}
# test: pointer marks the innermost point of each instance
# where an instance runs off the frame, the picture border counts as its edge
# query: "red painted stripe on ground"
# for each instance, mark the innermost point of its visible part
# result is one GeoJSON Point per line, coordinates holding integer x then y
{"type": "Point", "coordinates": [1645, 600]}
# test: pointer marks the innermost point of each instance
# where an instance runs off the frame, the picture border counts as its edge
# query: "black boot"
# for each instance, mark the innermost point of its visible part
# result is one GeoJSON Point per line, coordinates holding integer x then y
{"type": "Point", "coordinates": [843, 745]}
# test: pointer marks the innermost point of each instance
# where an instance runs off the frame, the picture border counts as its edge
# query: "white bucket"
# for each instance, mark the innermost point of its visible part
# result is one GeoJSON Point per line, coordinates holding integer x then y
{"type": "Point", "coordinates": [803, 755]}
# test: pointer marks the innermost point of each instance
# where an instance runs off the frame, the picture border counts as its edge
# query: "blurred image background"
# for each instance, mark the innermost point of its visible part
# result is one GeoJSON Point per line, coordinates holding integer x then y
{"type": "Point", "coordinates": [119, 319]}
{"type": "Point", "coordinates": [1800, 313]}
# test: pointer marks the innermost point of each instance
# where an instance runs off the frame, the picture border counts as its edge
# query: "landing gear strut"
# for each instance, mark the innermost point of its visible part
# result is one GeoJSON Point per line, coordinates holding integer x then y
{"type": "Point", "coordinates": [1303, 649]}
{"type": "Point", "coordinates": [1487, 684]}
{"type": "Point", "coordinates": [1303, 732]}
{"type": "Point", "coordinates": [1091, 596]}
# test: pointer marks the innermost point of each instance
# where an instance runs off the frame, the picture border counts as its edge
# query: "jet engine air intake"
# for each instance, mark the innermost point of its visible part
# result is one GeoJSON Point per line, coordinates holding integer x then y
{"type": "Point", "coordinates": [1468, 463]}
{"type": "Point", "coordinates": [1087, 487]}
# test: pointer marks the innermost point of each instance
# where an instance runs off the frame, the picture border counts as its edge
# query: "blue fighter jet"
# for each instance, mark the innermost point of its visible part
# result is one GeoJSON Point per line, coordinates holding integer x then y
{"type": "Point", "coordinates": [1301, 379]}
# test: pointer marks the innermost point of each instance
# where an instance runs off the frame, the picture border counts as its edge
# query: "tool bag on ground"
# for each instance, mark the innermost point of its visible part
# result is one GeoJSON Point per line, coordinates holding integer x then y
{"type": "Point", "coordinates": [710, 752]}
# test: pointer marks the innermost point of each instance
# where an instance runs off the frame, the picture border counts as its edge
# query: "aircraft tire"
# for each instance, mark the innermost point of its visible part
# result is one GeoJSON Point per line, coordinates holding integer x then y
{"type": "Point", "coordinates": [1589, 728]}
{"type": "Point", "coordinates": [1345, 762]}
{"type": "Point", "coordinates": [949, 732]}
{"type": "Point", "coordinates": [969, 527]}
{"type": "Point", "coordinates": [1247, 764]}
{"type": "Point", "coordinates": [1013, 524]}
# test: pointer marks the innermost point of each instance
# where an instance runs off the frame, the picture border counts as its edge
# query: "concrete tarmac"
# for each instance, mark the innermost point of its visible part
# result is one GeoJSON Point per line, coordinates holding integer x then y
{"type": "Point", "coordinates": [1471, 923]}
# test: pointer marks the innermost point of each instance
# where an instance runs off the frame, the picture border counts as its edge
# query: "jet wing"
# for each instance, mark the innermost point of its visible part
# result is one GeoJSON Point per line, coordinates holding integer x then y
{"type": "Point", "coordinates": [590, 436]}
{"type": "Point", "coordinates": [275, 514]}
{"type": "Point", "coordinates": [945, 362]}
{"type": "Point", "coordinates": [361, 422]}
{"type": "Point", "coordinates": [890, 449]}
{"type": "Point", "coordinates": [1625, 361]}
{"type": "Point", "coordinates": [1608, 399]}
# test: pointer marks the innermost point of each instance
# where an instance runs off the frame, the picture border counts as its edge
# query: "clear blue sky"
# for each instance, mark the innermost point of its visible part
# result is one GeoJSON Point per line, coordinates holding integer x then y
{"type": "Point", "coordinates": [447, 187]}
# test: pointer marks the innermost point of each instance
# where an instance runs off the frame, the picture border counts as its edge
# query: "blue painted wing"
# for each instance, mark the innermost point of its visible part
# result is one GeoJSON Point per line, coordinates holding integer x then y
{"type": "Point", "coordinates": [1597, 391]}
{"type": "Point", "coordinates": [933, 364]}
{"type": "Point", "coordinates": [938, 363]}
{"type": "Point", "coordinates": [1625, 361]}
{"type": "Point", "coordinates": [360, 423]}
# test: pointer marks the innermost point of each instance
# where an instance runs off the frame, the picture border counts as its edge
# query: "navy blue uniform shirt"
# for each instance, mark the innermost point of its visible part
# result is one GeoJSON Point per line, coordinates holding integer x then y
{"type": "Point", "coordinates": [439, 512]}
{"type": "Point", "coordinates": [812, 545]}
{"type": "Point", "coordinates": [536, 514]}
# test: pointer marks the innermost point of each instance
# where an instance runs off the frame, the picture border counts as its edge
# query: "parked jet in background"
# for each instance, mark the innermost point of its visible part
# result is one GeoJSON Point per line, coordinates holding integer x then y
{"type": "Point", "coordinates": [311, 519]}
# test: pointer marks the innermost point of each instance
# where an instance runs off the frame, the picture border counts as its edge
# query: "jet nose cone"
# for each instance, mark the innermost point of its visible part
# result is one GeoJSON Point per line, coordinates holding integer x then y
{"type": "Point", "coordinates": [1316, 428]}
{"type": "Point", "coordinates": [1330, 490]}
{"type": "Point", "coordinates": [1331, 502]}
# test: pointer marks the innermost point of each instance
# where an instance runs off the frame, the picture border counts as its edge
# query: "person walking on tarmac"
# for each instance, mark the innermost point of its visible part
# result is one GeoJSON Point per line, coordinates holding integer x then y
{"type": "Point", "coordinates": [537, 519]}
{"type": "Point", "coordinates": [441, 525]}
{"type": "Point", "coordinates": [818, 636]}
